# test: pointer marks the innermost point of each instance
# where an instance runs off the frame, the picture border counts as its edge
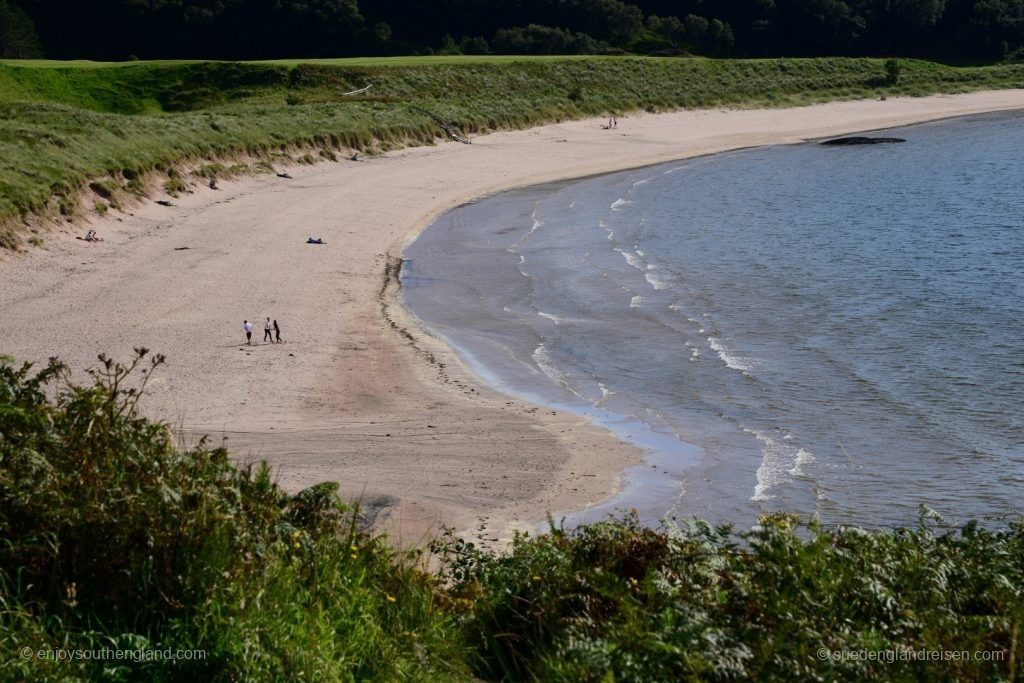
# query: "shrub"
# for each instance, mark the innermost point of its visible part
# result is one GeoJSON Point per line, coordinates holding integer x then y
{"type": "Point", "coordinates": [115, 538]}
{"type": "Point", "coordinates": [174, 186]}
{"type": "Point", "coordinates": [892, 71]}
{"type": "Point", "coordinates": [618, 601]}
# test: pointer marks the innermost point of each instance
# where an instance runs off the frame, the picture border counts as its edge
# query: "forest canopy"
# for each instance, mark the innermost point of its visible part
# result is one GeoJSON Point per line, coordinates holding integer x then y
{"type": "Point", "coordinates": [952, 30]}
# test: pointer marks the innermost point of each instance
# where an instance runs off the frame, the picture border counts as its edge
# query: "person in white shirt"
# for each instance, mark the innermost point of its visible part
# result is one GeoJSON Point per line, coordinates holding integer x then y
{"type": "Point", "coordinates": [248, 332]}
{"type": "Point", "coordinates": [267, 334]}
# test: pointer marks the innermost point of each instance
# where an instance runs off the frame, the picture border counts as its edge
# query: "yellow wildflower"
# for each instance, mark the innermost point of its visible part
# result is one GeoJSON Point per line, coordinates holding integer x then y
{"type": "Point", "coordinates": [391, 598]}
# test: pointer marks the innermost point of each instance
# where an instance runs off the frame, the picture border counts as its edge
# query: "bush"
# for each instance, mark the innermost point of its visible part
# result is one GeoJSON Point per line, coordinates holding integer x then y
{"type": "Point", "coordinates": [892, 71]}
{"type": "Point", "coordinates": [115, 538]}
{"type": "Point", "coordinates": [617, 601]}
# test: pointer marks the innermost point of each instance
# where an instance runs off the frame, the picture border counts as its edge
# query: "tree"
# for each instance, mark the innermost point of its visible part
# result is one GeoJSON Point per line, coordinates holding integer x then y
{"type": "Point", "coordinates": [542, 40]}
{"type": "Point", "coordinates": [474, 45]}
{"type": "Point", "coordinates": [18, 39]}
{"type": "Point", "coordinates": [449, 46]}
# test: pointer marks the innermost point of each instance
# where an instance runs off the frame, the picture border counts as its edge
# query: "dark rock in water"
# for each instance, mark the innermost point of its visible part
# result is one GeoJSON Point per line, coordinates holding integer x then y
{"type": "Point", "coordinates": [858, 140]}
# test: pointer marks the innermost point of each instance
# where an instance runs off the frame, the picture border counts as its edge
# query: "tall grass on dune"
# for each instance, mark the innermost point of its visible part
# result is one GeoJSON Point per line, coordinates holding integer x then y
{"type": "Point", "coordinates": [63, 126]}
{"type": "Point", "coordinates": [114, 538]}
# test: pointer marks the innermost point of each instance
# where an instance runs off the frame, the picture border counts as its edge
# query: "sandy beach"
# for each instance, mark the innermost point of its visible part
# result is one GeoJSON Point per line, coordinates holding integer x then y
{"type": "Point", "coordinates": [359, 393]}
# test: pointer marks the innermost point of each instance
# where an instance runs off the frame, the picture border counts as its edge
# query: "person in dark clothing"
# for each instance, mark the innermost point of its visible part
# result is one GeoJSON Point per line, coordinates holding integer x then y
{"type": "Point", "coordinates": [277, 331]}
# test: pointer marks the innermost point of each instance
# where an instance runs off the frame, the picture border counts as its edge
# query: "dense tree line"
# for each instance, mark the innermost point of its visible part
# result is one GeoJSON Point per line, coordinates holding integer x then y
{"type": "Point", "coordinates": [115, 29]}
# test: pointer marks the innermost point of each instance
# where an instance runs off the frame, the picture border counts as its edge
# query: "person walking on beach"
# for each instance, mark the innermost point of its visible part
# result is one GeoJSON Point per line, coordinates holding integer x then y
{"type": "Point", "coordinates": [277, 331]}
{"type": "Point", "coordinates": [248, 332]}
{"type": "Point", "coordinates": [266, 332]}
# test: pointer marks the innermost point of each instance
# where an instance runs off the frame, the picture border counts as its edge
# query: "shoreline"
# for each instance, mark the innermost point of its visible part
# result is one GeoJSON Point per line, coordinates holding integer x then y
{"type": "Point", "coordinates": [360, 393]}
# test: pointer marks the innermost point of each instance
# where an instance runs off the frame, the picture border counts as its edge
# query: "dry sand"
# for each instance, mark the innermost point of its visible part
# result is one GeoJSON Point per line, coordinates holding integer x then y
{"type": "Point", "coordinates": [358, 393]}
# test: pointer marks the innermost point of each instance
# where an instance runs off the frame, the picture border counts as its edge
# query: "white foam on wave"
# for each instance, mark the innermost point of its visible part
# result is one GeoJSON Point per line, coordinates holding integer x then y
{"type": "Point", "coordinates": [778, 460]}
{"type": "Point", "coordinates": [673, 170]}
{"type": "Point", "coordinates": [537, 224]}
{"type": "Point", "coordinates": [655, 281]}
{"type": "Point", "coordinates": [637, 302]}
{"type": "Point", "coordinates": [547, 365]}
{"type": "Point", "coordinates": [550, 316]}
{"type": "Point", "coordinates": [631, 259]}
{"type": "Point", "coordinates": [803, 457]}
{"type": "Point", "coordinates": [533, 228]}
{"type": "Point", "coordinates": [729, 357]}
{"type": "Point", "coordinates": [642, 182]}
{"type": "Point", "coordinates": [772, 471]}
{"type": "Point", "coordinates": [605, 394]}
{"type": "Point", "coordinates": [619, 203]}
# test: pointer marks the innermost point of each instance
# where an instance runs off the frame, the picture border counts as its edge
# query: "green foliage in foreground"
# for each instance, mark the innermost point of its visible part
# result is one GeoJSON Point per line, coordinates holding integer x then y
{"type": "Point", "coordinates": [113, 537]}
{"type": "Point", "coordinates": [786, 601]}
{"type": "Point", "coordinates": [64, 125]}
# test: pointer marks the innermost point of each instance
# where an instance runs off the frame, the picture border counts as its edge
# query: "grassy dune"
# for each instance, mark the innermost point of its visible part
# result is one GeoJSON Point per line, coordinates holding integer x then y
{"type": "Point", "coordinates": [115, 538]}
{"type": "Point", "coordinates": [102, 129]}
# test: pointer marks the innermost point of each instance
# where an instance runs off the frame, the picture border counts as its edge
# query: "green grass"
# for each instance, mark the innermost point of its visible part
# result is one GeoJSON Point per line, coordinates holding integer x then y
{"type": "Point", "coordinates": [116, 537]}
{"type": "Point", "coordinates": [63, 125]}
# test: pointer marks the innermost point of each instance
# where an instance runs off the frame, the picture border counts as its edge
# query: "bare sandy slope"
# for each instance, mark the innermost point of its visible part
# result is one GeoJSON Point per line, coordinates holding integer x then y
{"type": "Point", "coordinates": [358, 393]}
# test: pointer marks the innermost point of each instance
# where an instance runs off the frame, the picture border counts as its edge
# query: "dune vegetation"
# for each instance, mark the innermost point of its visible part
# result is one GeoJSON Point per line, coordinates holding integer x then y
{"type": "Point", "coordinates": [77, 137]}
{"type": "Point", "coordinates": [118, 539]}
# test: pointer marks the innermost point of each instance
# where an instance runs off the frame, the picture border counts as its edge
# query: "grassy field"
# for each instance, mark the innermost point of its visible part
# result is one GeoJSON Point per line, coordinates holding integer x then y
{"type": "Point", "coordinates": [115, 538]}
{"type": "Point", "coordinates": [339, 61]}
{"type": "Point", "coordinates": [101, 131]}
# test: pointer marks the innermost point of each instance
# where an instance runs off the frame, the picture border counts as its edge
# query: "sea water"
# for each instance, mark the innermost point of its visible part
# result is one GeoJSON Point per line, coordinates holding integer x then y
{"type": "Point", "coordinates": [828, 331]}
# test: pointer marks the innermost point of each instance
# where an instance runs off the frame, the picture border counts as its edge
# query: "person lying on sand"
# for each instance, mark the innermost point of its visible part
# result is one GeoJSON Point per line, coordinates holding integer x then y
{"type": "Point", "coordinates": [91, 237]}
{"type": "Point", "coordinates": [315, 241]}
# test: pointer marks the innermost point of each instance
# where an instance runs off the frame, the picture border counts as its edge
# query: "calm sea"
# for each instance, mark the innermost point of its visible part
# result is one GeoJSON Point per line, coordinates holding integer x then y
{"type": "Point", "coordinates": [827, 331]}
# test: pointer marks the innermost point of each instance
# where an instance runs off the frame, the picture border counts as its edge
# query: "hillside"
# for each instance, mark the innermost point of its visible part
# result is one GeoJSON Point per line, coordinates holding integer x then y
{"type": "Point", "coordinates": [110, 132]}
